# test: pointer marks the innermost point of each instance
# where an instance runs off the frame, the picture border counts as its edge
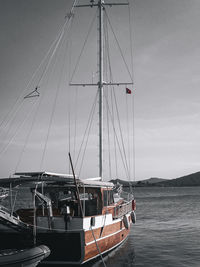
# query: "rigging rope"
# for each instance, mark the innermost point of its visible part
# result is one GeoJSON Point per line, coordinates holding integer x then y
{"type": "Point", "coordinates": [69, 129]}
{"type": "Point", "coordinates": [88, 126]}
{"type": "Point", "coordinates": [31, 127]}
{"type": "Point", "coordinates": [16, 132]}
{"type": "Point", "coordinates": [128, 131]}
{"type": "Point", "coordinates": [118, 143]}
{"type": "Point", "coordinates": [37, 69]}
{"type": "Point", "coordinates": [115, 146]}
{"type": "Point", "coordinates": [108, 63]}
{"type": "Point", "coordinates": [116, 108]}
{"type": "Point", "coordinates": [131, 38]}
{"type": "Point", "coordinates": [72, 76]}
{"type": "Point", "coordinates": [120, 129]}
{"type": "Point", "coordinates": [14, 110]}
{"type": "Point", "coordinates": [83, 47]}
{"type": "Point", "coordinates": [97, 246]}
{"type": "Point", "coordinates": [27, 138]}
{"type": "Point", "coordinates": [108, 136]}
{"type": "Point", "coordinates": [133, 106]}
{"type": "Point", "coordinates": [66, 25]}
{"type": "Point", "coordinates": [69, 102]}
{"type": "Point", "coordinates": [75, 123]}
{"type": "Point", "coordinates": [11, 121]}
{"type": "Point", "coordinates": [55, 101]}
{"type": "Point", "coordinates": [119, 46]}
{"type": "Point", "coordinates": [106, 95]}
{"type": "Point", "coordinates": [133, 126]}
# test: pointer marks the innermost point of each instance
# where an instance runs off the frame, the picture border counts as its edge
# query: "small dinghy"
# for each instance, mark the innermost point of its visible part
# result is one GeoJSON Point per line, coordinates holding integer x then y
{"type": "Point", "coordinates": [24, 257]}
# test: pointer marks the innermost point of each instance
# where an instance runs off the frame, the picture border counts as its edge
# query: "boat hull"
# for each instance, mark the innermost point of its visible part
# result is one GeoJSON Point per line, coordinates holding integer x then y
{"type": "Point", "coordinates": [105, 244]}
{"type": "Point", "coordinates": [78, 247]}
{"type": "Point", "coordinates": [66, 247]}
{"type": "Point", "coordinates": [71, 247]}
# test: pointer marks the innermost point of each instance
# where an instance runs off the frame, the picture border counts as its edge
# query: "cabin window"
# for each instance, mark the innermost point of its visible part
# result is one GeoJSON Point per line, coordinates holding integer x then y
{"type": "Point", "coordinates": [108, 198]}
{"type": "Point", "coordinates": [84, 196]}
{"type": "Point", "coordinates": [105, 198]}
{"type": "Point", "coordinates": [111, 198]}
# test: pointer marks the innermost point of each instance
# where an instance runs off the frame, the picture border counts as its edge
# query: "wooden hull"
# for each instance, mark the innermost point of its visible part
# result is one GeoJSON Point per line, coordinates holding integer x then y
{"type": "Point", "coordinates": [105, 243]}
{"type": "Point", "coordinates": [78, 247]}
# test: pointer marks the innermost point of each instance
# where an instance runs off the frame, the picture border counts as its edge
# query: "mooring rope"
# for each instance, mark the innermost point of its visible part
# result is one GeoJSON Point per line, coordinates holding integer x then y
{"type": "Point", "coordinates": [98, 247]}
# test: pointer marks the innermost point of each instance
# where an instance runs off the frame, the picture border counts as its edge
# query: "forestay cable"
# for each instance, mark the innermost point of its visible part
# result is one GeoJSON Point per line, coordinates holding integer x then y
{"type": "Point", "coordinates": [83, 47]}
{"type": "Point", "coordinates": [55, 99]}
{"type": "Point", "coordinates": [119, 46]}
{"type": "Point", "coordinates": [87, 127]}
{"type": "Point", "coordinates": [16, 132]}
{"type": "Point", "coordinates": [12, 110]}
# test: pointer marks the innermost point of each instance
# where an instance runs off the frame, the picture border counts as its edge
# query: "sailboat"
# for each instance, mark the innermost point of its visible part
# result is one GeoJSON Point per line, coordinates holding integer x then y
{"type": "Point", "coordinates": [78, 219]}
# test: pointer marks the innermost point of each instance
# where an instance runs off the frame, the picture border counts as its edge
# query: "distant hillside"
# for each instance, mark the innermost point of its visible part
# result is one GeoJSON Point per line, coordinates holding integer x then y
{"type": "Point", "coordinates": [123, 182]}
{"type": "Point", "coordinates": [150, 181]}
{"type": "Point", "coordinates": [146, 182]}
{"type": "Point", "coordinates": [188, 180]}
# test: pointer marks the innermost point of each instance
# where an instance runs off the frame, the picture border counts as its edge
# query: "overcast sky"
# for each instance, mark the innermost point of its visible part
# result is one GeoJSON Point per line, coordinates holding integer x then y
{"type": "Point", "coordinates": [166, 75]}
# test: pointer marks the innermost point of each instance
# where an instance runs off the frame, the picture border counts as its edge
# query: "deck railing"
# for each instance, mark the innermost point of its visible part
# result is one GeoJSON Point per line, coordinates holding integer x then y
{"type": "Point", "coordinates": [122, 209]}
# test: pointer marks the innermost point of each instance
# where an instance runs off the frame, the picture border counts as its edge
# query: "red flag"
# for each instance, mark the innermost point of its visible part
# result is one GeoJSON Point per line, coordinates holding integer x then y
{"type": "Point", "coordinates": [128, 91]}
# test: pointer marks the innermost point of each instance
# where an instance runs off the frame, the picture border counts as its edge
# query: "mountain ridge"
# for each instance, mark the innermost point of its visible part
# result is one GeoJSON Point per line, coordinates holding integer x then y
{"type": "Point", "coordinates": [192, 179]}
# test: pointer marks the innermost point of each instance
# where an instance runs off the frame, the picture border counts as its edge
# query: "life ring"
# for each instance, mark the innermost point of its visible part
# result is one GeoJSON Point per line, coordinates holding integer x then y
{"type": "Point", "coordinates": [126, 222]}
{"type": "Point", "coordinates": [133, 217]}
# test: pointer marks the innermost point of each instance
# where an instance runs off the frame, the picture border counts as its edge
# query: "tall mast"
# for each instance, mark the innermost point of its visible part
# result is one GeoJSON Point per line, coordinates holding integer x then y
{"type": "Point", "coordinates": [100, 87]}
{"type": "Point", "coordinates": [100, 5]}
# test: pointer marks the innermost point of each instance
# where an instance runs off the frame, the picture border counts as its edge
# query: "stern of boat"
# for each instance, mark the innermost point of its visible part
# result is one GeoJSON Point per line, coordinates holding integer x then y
{"type": "Point", "coordinates": [66, 247]}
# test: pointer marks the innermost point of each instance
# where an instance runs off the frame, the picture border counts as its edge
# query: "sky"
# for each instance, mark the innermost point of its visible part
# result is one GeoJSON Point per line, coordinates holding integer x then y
{"type": "Point", "coordinates": [166, 65]}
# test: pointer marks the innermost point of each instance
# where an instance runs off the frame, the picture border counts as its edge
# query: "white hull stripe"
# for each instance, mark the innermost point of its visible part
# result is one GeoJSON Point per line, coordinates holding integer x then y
{"type": "Point", "coordinates": [89, 243]}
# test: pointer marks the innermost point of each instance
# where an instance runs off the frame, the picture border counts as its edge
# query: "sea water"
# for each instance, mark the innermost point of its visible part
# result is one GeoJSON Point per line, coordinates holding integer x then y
{"type": "Point", "coordinates": [167, 231]}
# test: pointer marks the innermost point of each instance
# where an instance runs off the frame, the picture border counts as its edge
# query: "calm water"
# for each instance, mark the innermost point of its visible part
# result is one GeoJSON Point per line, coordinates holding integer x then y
{"type": "Point", "coordinates": [167, 232]}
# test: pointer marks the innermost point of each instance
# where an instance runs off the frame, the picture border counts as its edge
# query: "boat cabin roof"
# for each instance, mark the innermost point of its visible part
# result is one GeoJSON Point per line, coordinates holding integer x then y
{"type": "Point", "coordinates": [55, 178]}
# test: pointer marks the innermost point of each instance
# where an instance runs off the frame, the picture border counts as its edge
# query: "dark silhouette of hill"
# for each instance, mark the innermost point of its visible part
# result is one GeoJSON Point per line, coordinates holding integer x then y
{"type": "Point", "coordinates": [187, 180]}
{"type": "Point", "coordinates": [146, 182]}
